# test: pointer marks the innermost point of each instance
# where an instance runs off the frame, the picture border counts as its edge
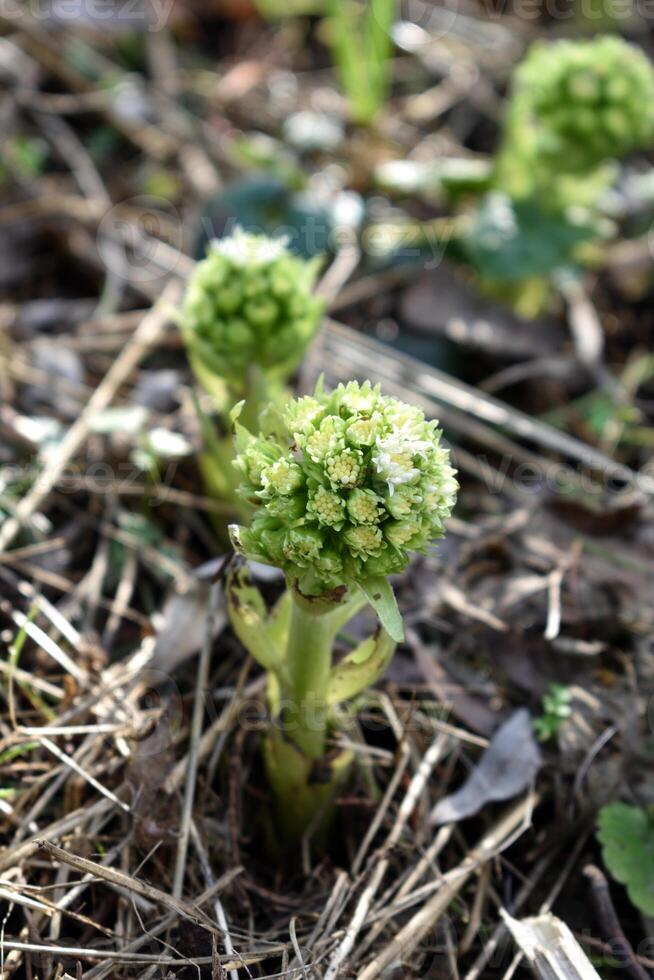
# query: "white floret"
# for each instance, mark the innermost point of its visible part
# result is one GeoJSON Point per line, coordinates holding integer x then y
{"type": "Point", "coordinates": [394, 457]}
{"type": "Point", "coordinates": [244, 249]}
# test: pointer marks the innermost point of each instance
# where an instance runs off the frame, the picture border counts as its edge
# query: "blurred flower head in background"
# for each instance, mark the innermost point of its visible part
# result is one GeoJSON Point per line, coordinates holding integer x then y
{"type": "Point", "coordinates": [250, 303]}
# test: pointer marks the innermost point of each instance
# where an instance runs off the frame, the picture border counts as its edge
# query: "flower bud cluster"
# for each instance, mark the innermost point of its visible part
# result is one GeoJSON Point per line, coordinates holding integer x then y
{"type": "Point", "coordinates": [250, 302]}
{"type": "Point", "coordinates": [345, 488]}
{"type": "Point", "coordinates": [576, 104]}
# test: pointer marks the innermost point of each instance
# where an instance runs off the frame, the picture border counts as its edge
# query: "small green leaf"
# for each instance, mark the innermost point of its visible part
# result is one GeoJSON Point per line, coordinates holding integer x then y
{"type": "Point", "coordinates": [346, 610]}
{"type": "Point", "coordinates": [247, 614]}
{"type": "Point", "coordinates": [380, 595]}
{"type": "Point", "coordinates": [508, 241]}
{"type": "Point", "coordinates": [16, 751]}
{"type": "Point", "coordinates": [271, 422]}
{"type": "Point", "coordinates": [279, 622]}
{"type": "Point", "coordinates": [236, 410]}
{"type": "Point", "coordinates": [626, 834]}
{"type": "Point", "coordinates": [361, 668]}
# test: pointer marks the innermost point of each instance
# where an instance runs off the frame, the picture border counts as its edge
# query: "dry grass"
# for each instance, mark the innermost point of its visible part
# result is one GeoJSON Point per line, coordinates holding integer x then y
{"type": "Point", "coordinates": [135, 829]}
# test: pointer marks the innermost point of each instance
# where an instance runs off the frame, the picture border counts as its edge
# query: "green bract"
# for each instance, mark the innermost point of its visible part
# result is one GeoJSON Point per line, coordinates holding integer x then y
{"type": "Point", "coordinates": [575, 104]}
{"type": "Point", "coordinates": [345, 486]}
{"type": "Point", "coordinates": [250, 303]}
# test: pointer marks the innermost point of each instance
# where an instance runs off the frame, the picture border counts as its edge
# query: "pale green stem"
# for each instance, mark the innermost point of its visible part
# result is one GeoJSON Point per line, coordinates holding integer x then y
{"type": "Point", "coordinates": [256, 394]}
{"type": "Point", "coordinates": [309, 659]}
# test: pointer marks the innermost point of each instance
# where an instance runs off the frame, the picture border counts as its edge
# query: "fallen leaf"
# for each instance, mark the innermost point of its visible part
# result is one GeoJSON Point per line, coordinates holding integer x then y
{"type": "Point", "coordinates": [506, 768]}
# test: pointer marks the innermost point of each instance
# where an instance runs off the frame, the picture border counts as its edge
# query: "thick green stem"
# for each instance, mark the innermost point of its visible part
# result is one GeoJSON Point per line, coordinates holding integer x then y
{"type": "Point", "coordinates": [305, 778]}
{"type": "Point", "coordinates": [257, 392]}
{"type": "Point", "coordinates": [309, 659]}
{"type": "Point", "coordinates": [254, 399]}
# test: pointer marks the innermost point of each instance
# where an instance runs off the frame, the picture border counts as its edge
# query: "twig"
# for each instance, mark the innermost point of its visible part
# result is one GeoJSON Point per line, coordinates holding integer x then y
{"type": "Point", "coordinates": [588, 336]}
{"type": "Point", "coordinates": [201, 686]}
{"type": "Point", "coordinates": [217, 904]}
{"type": "Point", "coordinates": [477, 911]}
{"type": "Point", "coordinates": [586, 329]}
{"type": "Point", "coordinates": [551, 950]}
{"type": "Point", "coordinates": [10, 893]}
{"type": "Point", "coordinates": [24, 677]}
{"type": "Point", "coordinates": [146, 336]}
{"type": "Point", "coordinates": [368, 357]}
{"type": "Point", "coordinates": [123, 598]}
{"type": "Point", "coordinates": [406, 940]}
{"type": "Point", "coordinates": [405, 756]}
{"type": "Point", "coordinates": [609, 923]}
{"type": "Point", "coordinates": [591, 755]}
{"type": "Point", "coordinates": [552, 896]}
{"type": "Point", "coordinates": [48, 645]}
{"type": "Point", "coordinates": [106, 969]}
{"type": "Point", "coordinates": [345, 262]}
{"type": "Point", "coordinates": [120, 880]}
{"type": "Point", "coordinates": [72, 821]}
{"type": "Point", "coordinates": [416, 786]}
{"type": "Point", "coordinates": [119, 956]}
{"type": "Point", "coordinates": [75, 766]}
{"type": "Point", "coordinates": [499, 933]}
{"type": "Point", "coordinates": [554, 582]}
{"type": "Point", "coordinates": [207, 742]}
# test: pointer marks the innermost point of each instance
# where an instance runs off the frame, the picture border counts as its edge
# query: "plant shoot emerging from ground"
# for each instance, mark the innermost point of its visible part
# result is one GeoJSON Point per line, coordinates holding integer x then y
{"type": "Point", "coordinates": [361, 43]}
{"type": "Point", "coordinates": [249, 305]}
{"type": "Point", "coordinates": [344, 486]}
{"type": "Point", "coordinates": [574, 105]}
{"type": "Point", "coordinates": [575, 108]}
{"type": "Point", "coordinates": [247, 319]}
{"type": "Point", "coordinates": [556, 708]}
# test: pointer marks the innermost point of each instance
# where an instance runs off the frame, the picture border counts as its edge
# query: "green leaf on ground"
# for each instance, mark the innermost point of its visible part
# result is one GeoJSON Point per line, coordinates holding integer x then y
{"type": "Point", "coordinates": [626, 834]}
{"type": "Point", "coordinates": [509, 241]}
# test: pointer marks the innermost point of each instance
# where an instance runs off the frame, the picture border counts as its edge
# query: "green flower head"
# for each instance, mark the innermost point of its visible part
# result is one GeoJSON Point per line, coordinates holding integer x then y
{"type": "Point", "coordinates": [344, 486]}
{"type": "Point", "coordinates": [282, 478]}
{"type": "Point", "coordinates": [249, 302]}
{"type": "Point", "coordinates": [574, 105]}
{"type": "Point", "coordinates": [326, 507]}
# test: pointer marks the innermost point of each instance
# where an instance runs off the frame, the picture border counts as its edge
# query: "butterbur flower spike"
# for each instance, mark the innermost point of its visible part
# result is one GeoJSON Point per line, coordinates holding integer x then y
{"type": "Point", "coordinates": [575, 105]}
{"type": "Point", "coordinates": [353, 475]}
{"type": "Point", "coordinates": [592, 100]}
{"type": "Point", "coordinates": [249, 303]}
{"type": "Point", "coordinates": [575, 108]}
{"type": "Point", "coordinates": [247, 318]}
{"type": "Point", "coordinates": [343, 487]}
